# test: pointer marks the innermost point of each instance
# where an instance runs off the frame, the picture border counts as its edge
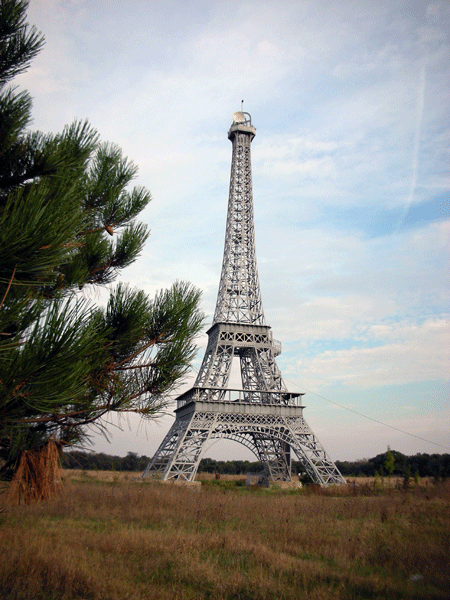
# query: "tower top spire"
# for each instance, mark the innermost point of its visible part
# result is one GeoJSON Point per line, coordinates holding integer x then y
{"type": "Point", "coordinates": [242, 121]}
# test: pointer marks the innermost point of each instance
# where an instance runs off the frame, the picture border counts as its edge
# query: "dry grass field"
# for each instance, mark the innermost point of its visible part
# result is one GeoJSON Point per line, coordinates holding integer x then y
{"type": "Point", "coordinates": [113, 537]}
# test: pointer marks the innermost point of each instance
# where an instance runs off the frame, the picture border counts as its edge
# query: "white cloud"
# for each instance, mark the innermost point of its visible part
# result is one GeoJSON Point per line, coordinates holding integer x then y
{"type": "Point", "coordinates": [388, 58]}
{"type": "Point", "coordinates": [419, 353]}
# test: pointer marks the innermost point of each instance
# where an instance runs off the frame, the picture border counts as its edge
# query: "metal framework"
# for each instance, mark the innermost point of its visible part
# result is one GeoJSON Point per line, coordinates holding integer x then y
{"type": "Point", "coordinates": [262, 415]}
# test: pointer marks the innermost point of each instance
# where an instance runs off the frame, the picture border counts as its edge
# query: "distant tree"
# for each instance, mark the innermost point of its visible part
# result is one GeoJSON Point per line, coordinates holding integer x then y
{"type": "Point", "coordinates": [76, 459]}
{"type": "Point", "coordinates": [425, 465]}
{"type": "Point", "coordinates": [208, 465]}
{"type": "Point", "coordinates": [130, 462]}
{"type": "Point", "coordinates": [389, 462]}
{"type": "Point", "coordinates": [376, 482]}
{"type": "Point", "coordinates": [407, 477]}
{"type": "Point", "coordinates": [67, 221]}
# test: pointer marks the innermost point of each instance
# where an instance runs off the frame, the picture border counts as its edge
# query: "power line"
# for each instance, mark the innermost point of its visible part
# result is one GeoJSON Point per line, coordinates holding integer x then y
{"type": "Point", "coordinates": [370, 418]}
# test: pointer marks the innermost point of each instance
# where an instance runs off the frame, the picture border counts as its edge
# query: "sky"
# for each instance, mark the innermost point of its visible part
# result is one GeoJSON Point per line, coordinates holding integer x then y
{"type": "Point", "coordinates": [350, 178]}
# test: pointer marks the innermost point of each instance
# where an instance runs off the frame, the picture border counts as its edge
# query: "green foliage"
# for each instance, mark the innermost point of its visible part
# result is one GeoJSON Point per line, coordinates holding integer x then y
{"type": "Point", "coordinates": [93, 461]}
{"type": "Point", "coordinates": [407, 477]}
{"type": "Point", "coordinates": [230, 467]}
{"type": "Point", "coordinates": [84, 460]}
{"type": "Point", "coordinates": [376, 482]}
{"type": "Point", "coordinates": [18, 42]}
{"type": "Point", "coordinates": [389, 462]}
{"type": "Point", "coordinates": [422, 465]}
{"type": "Point", "coordinates": [67, 221]}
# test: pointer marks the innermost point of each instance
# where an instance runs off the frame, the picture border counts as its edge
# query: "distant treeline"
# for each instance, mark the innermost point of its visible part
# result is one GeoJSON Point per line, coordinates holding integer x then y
{"type": "Point", "coordinates": [421, 465]}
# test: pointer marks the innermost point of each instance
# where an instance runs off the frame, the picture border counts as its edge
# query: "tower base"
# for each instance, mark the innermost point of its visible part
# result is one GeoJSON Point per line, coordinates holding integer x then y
{"type": "Point", "coordinates": [270, 431]}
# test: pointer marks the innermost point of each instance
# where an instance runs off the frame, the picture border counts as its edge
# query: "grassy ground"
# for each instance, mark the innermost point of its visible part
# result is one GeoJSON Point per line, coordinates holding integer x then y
{"type": "Point", "coordinates": [113, 537]}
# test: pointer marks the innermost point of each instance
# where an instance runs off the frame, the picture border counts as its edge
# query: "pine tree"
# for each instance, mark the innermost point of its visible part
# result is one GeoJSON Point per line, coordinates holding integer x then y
{"type": "Point", "coordinates": [67, 221]}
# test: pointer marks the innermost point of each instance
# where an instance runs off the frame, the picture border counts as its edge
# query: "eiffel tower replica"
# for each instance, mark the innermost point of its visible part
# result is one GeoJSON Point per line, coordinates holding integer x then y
{"type": "Point", "coordinates": [262, 414]}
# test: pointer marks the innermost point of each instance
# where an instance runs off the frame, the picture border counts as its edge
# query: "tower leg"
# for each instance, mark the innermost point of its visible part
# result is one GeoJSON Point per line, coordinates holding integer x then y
{"type": "Point", "coordinates": [273, 453]}
{"type": "Point", "coordinates": [179, 454]}
{"type": "Point", "coordinates": [216, 366]}
{"type": "Point", "coordinates": [259, 371]}
{"type": "Point", "coordinates": [318, 465]}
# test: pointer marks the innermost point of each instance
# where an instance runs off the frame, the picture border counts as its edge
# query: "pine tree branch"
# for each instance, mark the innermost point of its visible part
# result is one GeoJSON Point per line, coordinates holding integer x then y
{"type": "Point", "coordinates": [99, 411]}
{"type": "Point", "coordinates": [9, 285]}
{"type": "Point", "coordinates": [152, 364]}
{"type": "Point", "coordinates": [97, 229]}
{"type": "Point", "coordinates": [152, 342]}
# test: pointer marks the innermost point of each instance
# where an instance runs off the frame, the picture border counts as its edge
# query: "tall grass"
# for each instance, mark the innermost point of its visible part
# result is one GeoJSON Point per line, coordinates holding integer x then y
{"type": "Point", "coordinates": [123, 539]}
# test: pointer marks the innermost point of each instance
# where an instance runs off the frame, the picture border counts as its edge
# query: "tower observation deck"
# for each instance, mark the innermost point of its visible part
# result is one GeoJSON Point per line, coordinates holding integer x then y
{"type": "Point", "coordinates": [261, 414]}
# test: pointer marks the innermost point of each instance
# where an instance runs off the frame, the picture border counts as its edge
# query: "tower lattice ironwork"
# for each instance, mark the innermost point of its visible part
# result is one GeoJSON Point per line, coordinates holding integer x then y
{"type": "Point", "coordinates": [262, 414]}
